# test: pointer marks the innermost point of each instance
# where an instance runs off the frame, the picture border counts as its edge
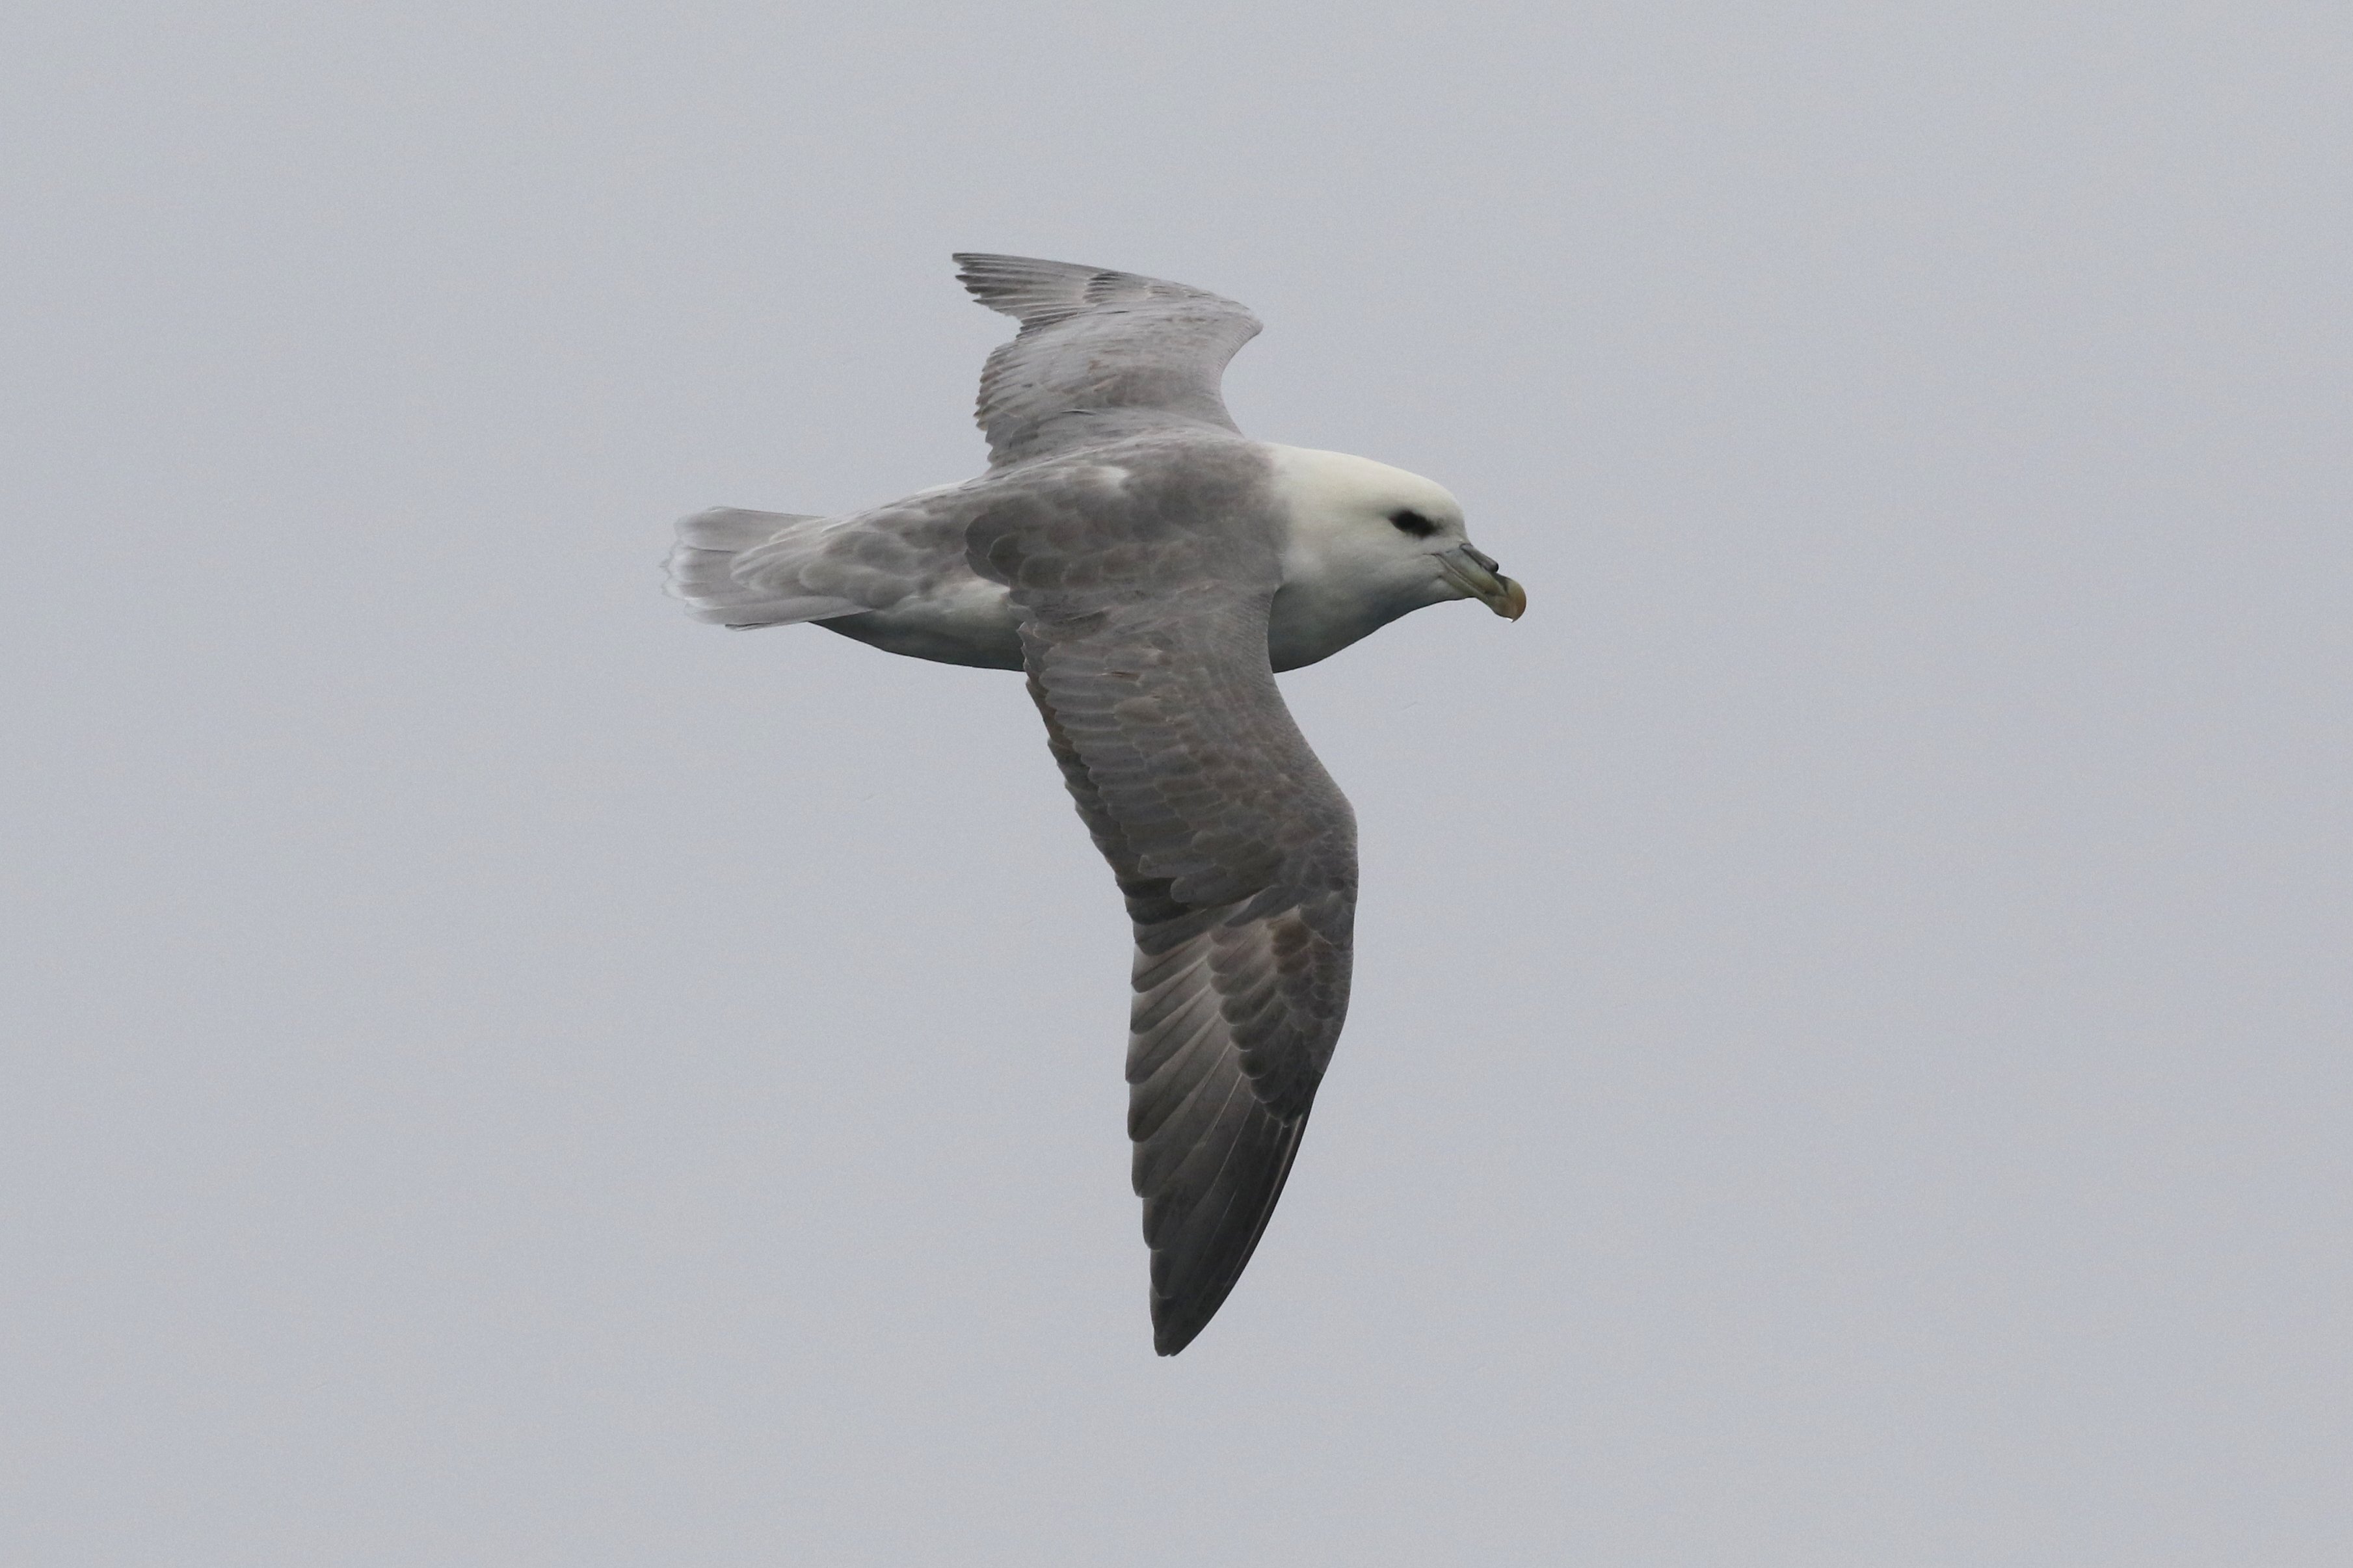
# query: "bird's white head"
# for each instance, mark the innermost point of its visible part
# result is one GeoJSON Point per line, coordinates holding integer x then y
{"type": "Point", "coordinates": [1368, 543]}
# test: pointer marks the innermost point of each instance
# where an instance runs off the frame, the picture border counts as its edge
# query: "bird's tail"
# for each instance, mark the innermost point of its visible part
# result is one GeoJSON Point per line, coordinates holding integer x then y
{"type": "Point", "coordinates": [703, 570]}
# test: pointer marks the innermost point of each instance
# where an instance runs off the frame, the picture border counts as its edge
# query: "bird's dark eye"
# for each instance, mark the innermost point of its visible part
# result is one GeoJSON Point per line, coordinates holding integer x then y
{"type": "Point", "coordinates": [1413, 522]}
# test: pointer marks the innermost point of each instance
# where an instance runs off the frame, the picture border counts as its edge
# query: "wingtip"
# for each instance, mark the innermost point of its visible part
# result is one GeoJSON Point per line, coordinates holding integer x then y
{"type": "Point", "coordinates": [1194, 1296]}
{"type": "Point", "coordinates": [1178, 1320]}
{"type": "Point", "coordinates": [1031, 289]}
{"type": "Point", "coordinates": [992, 264]}
{"type": "Point", "coordinates": [1168, 1339]}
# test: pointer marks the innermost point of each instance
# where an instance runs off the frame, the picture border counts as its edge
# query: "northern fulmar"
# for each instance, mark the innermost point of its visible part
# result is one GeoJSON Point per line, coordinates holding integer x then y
{"type": "Point", "coordinates": [1150, 568]}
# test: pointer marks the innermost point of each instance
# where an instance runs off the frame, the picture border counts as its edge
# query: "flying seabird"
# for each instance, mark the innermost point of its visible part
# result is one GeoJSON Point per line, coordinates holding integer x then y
{"type": "Point", "coordinates": [1150, 568]}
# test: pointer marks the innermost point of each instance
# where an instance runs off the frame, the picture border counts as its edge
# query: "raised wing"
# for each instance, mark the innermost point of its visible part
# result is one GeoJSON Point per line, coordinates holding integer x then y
{"type": "Point", "coordinates": [1144, 637]}
{"type": "Point", "coordinates": [1101, 356]}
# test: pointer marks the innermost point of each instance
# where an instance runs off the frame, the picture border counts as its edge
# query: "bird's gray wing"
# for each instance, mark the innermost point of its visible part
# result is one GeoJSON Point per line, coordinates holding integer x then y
{"type": "Point", "coordinates": [1101, 355]}
{"type": "Point", "coordinates": [1144, 632]}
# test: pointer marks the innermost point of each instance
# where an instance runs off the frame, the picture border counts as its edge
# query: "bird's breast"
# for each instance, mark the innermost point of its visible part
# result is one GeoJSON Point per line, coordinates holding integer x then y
{"type": "Point", "coordinates": [1309, 621]}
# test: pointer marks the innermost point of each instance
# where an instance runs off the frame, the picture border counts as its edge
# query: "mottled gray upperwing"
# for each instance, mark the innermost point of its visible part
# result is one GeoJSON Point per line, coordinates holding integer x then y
{"type": "Point", "coordinates": [1143, 584]}
{"type": "Point", "coordinates": [1101, 355]}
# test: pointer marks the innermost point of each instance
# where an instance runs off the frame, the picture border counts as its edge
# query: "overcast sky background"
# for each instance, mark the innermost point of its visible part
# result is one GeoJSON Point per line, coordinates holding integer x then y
{"type": "Point", "coordinates": [1850, 1058]}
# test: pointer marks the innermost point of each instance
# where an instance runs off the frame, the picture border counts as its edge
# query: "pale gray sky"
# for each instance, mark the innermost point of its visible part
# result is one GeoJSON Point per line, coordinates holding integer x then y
{"type": "Point", "coordinates": [1850, 1061]}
